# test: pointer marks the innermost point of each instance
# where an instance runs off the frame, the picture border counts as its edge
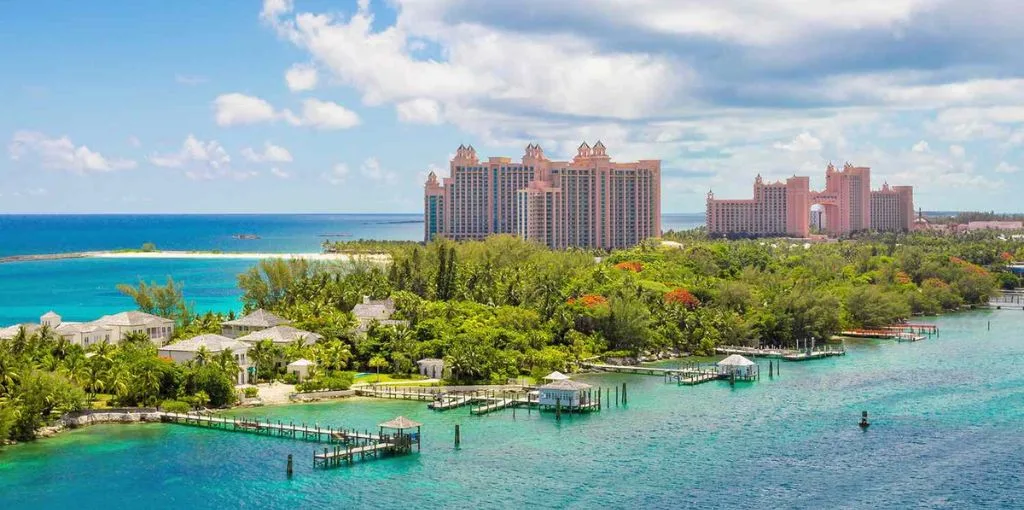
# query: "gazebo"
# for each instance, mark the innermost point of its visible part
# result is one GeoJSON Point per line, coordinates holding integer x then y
{"type": "Point", "coordinates": [555, 376]}
{"type": "Point", "coordinates": [300, 368]}
{"type": "Point", "coordinates": [738, 367]}
{"type": "Point", "coordinates": [400, 440]}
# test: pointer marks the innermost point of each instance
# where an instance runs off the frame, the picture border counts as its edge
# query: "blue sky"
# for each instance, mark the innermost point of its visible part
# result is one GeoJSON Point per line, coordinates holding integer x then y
{"type": "Point", "coordinates": [344, 106]}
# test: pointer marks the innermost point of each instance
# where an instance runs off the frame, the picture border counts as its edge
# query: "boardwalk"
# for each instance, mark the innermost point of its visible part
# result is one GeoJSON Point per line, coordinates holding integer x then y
{"type": "Point", "coordinates": [268, 428]}
{"type": "Point", "coordinates": [786, 354]}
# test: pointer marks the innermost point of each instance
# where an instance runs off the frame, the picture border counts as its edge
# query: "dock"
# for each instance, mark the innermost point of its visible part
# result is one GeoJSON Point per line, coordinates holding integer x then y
{"type": "Point", "coordinates": [786, 354]}
{"type": "Point", "coordinates": [347, 444]}
{"type": "Point", "coordinates": [483, 402]}
{"type": "Point", "coordinates": [686, 376]}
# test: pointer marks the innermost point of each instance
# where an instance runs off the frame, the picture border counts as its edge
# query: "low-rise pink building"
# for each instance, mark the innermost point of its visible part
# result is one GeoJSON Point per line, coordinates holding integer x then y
{"type": "Point", "coordinates": [782, 208]}
{"type": "Point", "coordinates": [588, 202]}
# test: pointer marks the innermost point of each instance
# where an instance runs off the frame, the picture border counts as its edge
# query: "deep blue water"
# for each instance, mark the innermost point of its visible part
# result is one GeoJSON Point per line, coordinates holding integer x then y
{"type": "Point", "coordinates": [947, 419]}
{"type": "Point", "coordinates": [84, 289]}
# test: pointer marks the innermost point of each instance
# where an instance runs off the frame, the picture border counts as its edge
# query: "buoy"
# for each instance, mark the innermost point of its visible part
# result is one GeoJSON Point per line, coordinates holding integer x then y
{"type": "Point", "coordinates": [864, 420]}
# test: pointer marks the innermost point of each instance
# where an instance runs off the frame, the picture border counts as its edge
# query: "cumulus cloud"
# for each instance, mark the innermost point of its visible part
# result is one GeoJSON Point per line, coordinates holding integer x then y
{"type": "Point", "coordinates": [804, 142]}
{"type": "Point", "coordinates": [301, 77]}
{"type": "Point", "coordinates": [419, 111]}
{"type": "Point", "coordinates": [372, 170]}
{"type": "Point", "coordinates": [201, 160]}
{"type": "Point", "coordinates": [1006, 168]}
{"type": "Point", "coordinates": [270, 154]}
{"type": "Point", "coordinates": [62, 154]}
{"type": "Point", "coordinates": [236, 109]}
{"type": "Point", "coordinates": [337, 174]}
{"type": "Point", "coordinates": [325, 115]}
{"type": "Point", "coordinates": [921, 146]}
{"type": "Point", "coordinates": [281, 174]}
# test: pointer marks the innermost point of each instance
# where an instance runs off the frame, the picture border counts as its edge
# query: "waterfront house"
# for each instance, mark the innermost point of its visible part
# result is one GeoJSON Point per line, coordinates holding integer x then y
{"type": "Point", "coordinates": [738, 366]}
{"type": "Point", "coordinates": [159, 329]}
{"type": "Point", "coordinates": [300, 368]}
{"type": "Point", "coordinates": [431, 367]}
{"type": "Point", "coordinates": [84, 334]}
{"type": "Point", "coordinates": [185, 351]}
{"type": "Point", "coordinates": [565, 392]}
{"type": "Point", "coordinates": [379, 311]}
{"type": "Point", "coordinates": [251, 323]}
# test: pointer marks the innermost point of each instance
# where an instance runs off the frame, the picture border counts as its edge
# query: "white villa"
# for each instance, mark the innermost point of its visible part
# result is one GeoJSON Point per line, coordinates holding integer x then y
{"type": "Point", "coordinates": [378, 311]}
{"type": "Point", "coordinates": [109, 328]}
{"type": "Point", "coordinates": [255, 321]}
{"type": "Point", "coordinates": [431, 367]}
{"type": "Point", "coordinates": [185, 351]}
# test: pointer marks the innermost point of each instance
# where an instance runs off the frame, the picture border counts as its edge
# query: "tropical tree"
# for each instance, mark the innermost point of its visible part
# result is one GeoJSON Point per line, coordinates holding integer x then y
{"type": "Point", "coordinates": [378, 362]}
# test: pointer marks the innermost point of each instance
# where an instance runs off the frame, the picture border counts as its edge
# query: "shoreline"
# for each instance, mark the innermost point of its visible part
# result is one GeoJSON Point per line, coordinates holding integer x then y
{"type": "Point", "coordinates": [199, 254]}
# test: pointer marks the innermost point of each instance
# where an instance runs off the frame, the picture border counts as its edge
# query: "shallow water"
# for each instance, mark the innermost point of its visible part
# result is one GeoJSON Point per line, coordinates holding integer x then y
{"type": "Point", "coordinates": [947, 416]}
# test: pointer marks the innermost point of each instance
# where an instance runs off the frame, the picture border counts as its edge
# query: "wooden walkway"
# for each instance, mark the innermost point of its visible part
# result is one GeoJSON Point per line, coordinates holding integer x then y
{"type": "Point", "coordinates": [631, 369]}
{"type": "Point", "coordinates": [786, 354]}
{"type": "Point", "coordinates": [346, 455]}
{"type": "Point", "coordinates": [268, 428]}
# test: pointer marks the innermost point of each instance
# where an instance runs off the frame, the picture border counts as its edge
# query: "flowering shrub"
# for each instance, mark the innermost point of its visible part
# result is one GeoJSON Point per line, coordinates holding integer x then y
{"type": "Point", "coordinates": [630, 265]}
{"type": "Point", "coordinates": [902, 278]}
{"type": "Point", "coordinates": [682, 297]}
{"type": "Point", "coordinates": [589, 300]}
{"type": "Point", "coordinates": [972, 268]}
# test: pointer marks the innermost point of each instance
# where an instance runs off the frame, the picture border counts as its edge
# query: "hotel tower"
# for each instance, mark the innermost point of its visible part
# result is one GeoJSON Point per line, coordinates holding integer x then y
{"type": "Point", "coordinates": [784, 208]}
{"type": "Point", "coordinates": [589, 202]}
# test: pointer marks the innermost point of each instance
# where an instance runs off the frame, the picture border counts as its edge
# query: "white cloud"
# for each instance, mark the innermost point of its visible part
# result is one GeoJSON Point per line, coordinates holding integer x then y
{"type": "Point", "coordinates": [921, 146]}
{"type": "Point", "coordinates": [236, 109]}
{"type": "Point", "coordinates": [372, 170]}
{"type": "Point", "coordinates": [189, 79]}
{"type": "Point", "coordinates": [277, 172]}
{"type": "Point", "coordinates": [62, 154]}
{"type": "Point", "coordinates": [271, 154]}
{"type": "Point", "coordinates": [1006, 168]}
{"type": "Point", "coordinates": [419, 111]}
{"type": "Point", "coordinates": [337, 174]}
{"type": "Point", "coordinates": [327, 115]}
{"type": "Point", "coordinates": [301, 77]}
{"type": "Point", "coordinates": [201, 160]}
{"type": "Point", "coordinates": [957, 151]}
{"type": "Point", "coordinates": [274, 8]}
{"type": "Point", "coordinates": [804, 142]}
{"type": "Point", "coordinates": [134, 141]}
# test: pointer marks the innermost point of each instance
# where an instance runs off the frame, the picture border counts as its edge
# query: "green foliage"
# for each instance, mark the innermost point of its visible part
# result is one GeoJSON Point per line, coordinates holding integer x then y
{"type": "Point", "coordinates": [148, 247]}
{"type": "Point", "coordinates": [251, 392]}
{"type": "Point", "coordinates": [210, 380]}
{"type": "Point", "coordinates": [176, 406]}
{"type": "Point", "coordinates": [163, 300]}
{"type": "Point", "coordinates": [334, 381]}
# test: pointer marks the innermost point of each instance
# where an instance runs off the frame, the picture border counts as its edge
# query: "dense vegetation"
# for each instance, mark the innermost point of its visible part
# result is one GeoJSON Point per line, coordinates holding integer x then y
{"type": "Point", "coordinates": [43, 376]}
{"type": "Point", "coordinates": [503, 308]}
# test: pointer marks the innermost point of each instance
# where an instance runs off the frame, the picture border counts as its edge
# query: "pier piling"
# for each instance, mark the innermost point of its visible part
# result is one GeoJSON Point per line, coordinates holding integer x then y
{"type": "Point", "coordinates": [458, 436]}
{"type": "Point", "coordinates": [289, 468]}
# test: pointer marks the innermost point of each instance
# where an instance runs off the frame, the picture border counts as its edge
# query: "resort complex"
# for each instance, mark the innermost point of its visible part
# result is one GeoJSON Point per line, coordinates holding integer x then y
{"type": "Point", "coordinates": [589, 202]}
{"type": "Point", "coordinates": [109, 328]}
{"type": "Point", "coordinates": [846, 205]}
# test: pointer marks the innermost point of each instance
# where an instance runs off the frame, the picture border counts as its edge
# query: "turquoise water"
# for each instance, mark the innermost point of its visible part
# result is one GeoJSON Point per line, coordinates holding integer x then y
{"type": "Point", "coordinates": [947, 418]}
{"type": "Point", "coordinates": [84, 289]}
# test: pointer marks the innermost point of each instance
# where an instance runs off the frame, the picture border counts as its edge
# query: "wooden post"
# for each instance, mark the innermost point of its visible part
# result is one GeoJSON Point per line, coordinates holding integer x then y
{"type": "Point", "coordinates": [624, 400]}
{"type": "Point", "coordinates": [598, 398]}
{"type": "Point", "coordinates": [770, 368]}
{"type": "Point", "coordinates": [558, 409]}
{"type": "Point", "coordinates": [616, 396]}
{"type": "Point", "coordinates": [458, 435]}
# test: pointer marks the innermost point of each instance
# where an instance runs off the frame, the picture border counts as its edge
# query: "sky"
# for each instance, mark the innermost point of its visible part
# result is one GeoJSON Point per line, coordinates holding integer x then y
{"type": "Point", "coordinates": [133, 106]}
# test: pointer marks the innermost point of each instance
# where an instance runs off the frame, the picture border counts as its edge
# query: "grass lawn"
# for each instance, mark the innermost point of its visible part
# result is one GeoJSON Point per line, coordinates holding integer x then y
{"type": "Point", "coordinates": [101, 400]}
{"type": "Point", "coordinates": [388, 378]}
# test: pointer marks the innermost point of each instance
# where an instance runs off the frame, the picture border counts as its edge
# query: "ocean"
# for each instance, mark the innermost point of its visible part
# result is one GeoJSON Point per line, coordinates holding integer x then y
{"type": "Point", "coordinates": [947, 415]}
{"type": "Point", "coordinates": [84, 289]}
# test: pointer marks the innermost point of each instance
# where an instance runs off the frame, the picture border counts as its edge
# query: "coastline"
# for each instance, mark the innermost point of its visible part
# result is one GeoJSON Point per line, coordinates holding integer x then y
{"type": "Point", "coordinates": [170, 254]}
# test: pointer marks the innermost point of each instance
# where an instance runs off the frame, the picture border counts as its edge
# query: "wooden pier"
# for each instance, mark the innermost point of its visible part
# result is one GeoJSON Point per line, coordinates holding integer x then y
{"type": "Point", "coordinates": [480, 402]}
{"type": "Point", "coordinates": [347, 444]}
{"type": "Point", "coordinates": [685, 376]}
{"type": "Point", "coordinates": [786, 354]}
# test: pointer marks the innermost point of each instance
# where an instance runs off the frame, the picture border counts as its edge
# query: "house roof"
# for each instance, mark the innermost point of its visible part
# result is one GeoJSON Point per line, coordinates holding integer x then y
{"type": "Point", "coordinates": [80, 327]}
{"type": "Point", "coordinates": [132, 318]}
{"type": "Point", "coordinates": [400, 423]}
{"type": "Point", "coordinates": [50, 315]}
{"type": "Point", "coordinates": [566, 384]}
{"type": "Point", "coordinates": [556, 376]}
{"type": "Point", "coordinates": [370, 309]}
{"type": "Point", "coordinates": [303, 362]}
{"type": "Point", "coordinates": [429, 360]}
{"type": "Point", "coordinates": [259, 319]}
{"type": "Point", "coordinates": [213, 343]}
{"type": "Point", "coordinates": [736, 361]}
{"type": "Point", "coordinates": [281, 335]}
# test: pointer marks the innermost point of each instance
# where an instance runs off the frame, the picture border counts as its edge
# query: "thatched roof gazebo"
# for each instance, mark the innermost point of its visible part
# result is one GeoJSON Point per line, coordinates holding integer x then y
{"type": "Point", "coordinates": [401, 440]}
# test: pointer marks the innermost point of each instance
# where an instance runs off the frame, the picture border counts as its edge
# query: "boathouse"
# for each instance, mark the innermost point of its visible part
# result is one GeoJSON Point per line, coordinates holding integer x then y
{"type": "Point", "coordinates": [431, 367]}
{"type": "Point", "coordinates": [555, 376]}
{"type": "Point", "coordinates": [565, 393]}
{"type": "Point", "coordinates": [737, 366]}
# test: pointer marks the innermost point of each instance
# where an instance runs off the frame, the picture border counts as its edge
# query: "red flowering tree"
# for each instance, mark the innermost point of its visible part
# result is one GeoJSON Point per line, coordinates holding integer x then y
{"type": "Point", "coordinates": [682, 297]}
{"type": "Point", "coordinates": [589, 300]}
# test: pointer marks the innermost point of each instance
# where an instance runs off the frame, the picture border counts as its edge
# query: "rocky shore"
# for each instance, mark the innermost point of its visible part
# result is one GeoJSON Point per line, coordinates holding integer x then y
{"type": "Point", "coordinates": [98, 416]}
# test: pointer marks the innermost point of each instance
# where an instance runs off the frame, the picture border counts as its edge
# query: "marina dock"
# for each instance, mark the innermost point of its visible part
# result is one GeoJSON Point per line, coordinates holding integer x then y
{"type": "Point", "coordinates": [487, 401]}
{"type": "Point", "coordinates": [347, 444]}
{"type": "Point", "coordinates": [786, 354]}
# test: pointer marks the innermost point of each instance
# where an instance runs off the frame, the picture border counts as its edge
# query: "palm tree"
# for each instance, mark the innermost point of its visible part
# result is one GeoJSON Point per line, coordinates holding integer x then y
{"type": "Point", "coordinates": [202, 356]}
{"type": "Point", "coordinates": [95, 374]}
{"type": "Point", "coordinates": [297, 349]}
{"type": "Point", "coordinates": [228, 364]}
{"type": "Point", "coordinates": [334, 355]}
{"type": "Point", "coordinates": [378, 362]}
{"type": "Point", "coordinates": [136, 337]}
{"type": "Point", "coordinates": [263, 355]}
{"type": "Point", "coordinates": [9, 375]}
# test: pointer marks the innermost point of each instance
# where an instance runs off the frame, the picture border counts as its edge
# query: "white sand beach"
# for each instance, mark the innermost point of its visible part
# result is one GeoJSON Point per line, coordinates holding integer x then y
{"type": "Point", "coordinates": [343, 257]}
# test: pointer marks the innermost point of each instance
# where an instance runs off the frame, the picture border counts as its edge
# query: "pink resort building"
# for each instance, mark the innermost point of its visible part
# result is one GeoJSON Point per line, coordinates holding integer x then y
{"type": "Point", "coordinates": [847, 204]}
{"type": "Point", "coordinates": [589, 202]}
